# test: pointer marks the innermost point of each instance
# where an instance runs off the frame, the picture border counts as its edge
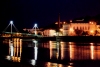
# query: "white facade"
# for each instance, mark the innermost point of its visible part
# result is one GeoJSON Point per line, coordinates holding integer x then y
{"type": "Point", "coordinates": [80, 26]}
{"type": "Point", "coordinates": [49, 32]}
{"type": "Point", "coordinates": [69, 29]}
{"type": "Point", "coordinates": [66, 29]}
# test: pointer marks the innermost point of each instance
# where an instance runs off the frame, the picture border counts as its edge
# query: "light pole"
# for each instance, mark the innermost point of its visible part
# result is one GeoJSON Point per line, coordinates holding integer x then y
{"type": "Point", "coordinates": [11, 22]}
{"type": "Point", "coordinates": [35, 27]}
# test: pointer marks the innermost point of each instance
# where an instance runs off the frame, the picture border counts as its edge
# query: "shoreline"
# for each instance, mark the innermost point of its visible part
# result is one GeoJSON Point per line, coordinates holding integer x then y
{"type": "Point", "coordinates": [62, 38]}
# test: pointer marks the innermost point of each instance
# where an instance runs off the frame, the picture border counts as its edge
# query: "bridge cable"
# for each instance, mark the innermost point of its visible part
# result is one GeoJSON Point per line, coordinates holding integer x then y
{"type": "Point", "coordinates": [6, 27]}
{"type": "Point", "coordinates": [15, 28]}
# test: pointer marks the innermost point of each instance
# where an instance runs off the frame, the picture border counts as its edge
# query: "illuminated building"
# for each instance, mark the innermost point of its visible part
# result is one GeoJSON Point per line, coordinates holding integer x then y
{"type": "Point", "coordinates": [69, 29]}
{"type": "Point", "coordinates": [49, 32]}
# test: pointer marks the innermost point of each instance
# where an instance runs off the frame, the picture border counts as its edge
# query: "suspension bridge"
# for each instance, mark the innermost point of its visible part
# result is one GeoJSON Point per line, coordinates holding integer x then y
{"type": "Point", "coordinates": [19, 34]}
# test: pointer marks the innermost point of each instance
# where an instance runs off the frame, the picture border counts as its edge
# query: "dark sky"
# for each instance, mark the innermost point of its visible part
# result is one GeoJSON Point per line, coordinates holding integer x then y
{"type": "Point", "coordinates": [25, 13]}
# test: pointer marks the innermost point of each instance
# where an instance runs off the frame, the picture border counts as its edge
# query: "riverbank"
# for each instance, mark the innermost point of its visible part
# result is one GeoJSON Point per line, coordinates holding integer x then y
{"type": "Point", "coordinates": [63, 38]}
{"type": "Point", "coordinates": [74, 38]}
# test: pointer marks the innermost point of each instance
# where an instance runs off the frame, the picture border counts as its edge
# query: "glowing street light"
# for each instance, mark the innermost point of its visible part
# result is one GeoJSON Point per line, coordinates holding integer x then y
{"type": "Point", "coordinates": [11, 22]}
{"type": "Point", "coordinates": [35, 27]}
{"type": "Point", "coordinates": [71, 29]}
{"type": "Point", "coordinates": [61, 29]}
{"type": "Point", "coordinates": [92, 31]}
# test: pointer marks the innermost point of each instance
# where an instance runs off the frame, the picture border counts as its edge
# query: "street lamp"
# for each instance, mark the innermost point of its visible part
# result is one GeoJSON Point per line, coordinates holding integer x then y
{"type": "Point", "coordinates": [71, 30]}
{"type": "Point", "coordinates": [11, 22]}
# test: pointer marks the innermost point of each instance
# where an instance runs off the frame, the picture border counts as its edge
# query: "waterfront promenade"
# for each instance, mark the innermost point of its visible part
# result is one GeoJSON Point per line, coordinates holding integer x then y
{"type": "Point", "coordinates": [62, 38]}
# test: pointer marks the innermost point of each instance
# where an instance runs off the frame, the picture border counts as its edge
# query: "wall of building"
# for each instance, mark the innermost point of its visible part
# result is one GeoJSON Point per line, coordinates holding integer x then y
{"type": "Point", "coordinates": [49, 32]}
{"type": "Point", "coordinates": [65, 29]}
{"type": "Point", "coordinates": [69, 29]}
{"type": "Point", "coordinates": [80, 26]}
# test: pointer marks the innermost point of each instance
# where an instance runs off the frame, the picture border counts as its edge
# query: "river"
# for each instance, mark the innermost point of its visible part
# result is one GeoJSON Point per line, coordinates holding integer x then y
{"type": "Point", "coordinates": [51, 53]}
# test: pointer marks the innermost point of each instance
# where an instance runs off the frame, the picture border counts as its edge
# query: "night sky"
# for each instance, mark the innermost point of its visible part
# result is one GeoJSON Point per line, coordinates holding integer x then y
{"type": "Point", "coordinates": [25, 13]}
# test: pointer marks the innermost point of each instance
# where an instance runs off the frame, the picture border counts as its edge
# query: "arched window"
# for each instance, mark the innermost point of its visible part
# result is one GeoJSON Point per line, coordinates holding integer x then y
{"type": "Point", "coordinates": [88, 28]}
{"type": "Point", "coordinates": [85, 28]}
{"type": "Point", "coordinates": [77, 27]}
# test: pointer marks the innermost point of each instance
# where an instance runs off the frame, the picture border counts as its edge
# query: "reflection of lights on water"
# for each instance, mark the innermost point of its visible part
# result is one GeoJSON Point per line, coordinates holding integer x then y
{"type": "Point", "coordinates": [35, 52]}
{"type": "Point", "coordinates": [71, 63]}
{"type": "Point", "coordinates": [70, 48]}
{"type": "Point", "coordinates": [50, 53]}
{"type": "Point", "coordinates": [34, 41]}
{"type": "Point", "coordinates": [57, 54]}
{"type": "Point", "coordinates": [15, 48]}
{"type": "Point", "coordinates": [8, 57]}
{"type": "Point", "coordinates": [11, 50]}
{"type": "Point", "coordinates": [35, 49]}
{"type": "Point", "coordinates": [92, 50]}
{"type": "Point", "coordinates": [51, 47]}
{"type": "Point", "coordinates": [49, 64]}
{"type": "Point", "coordinates": [50, 43]}
{"type": "Point", "coordinates": [70, 66]}
{"type": "Point", "coordinates": [62, 51]}
{"type": "Point", "coordinates": [16, 59]}
{"type": "Point", "coordinates": [13, 58]}
{"type": "Point", "coordinates": [33, 62]}
{"type": "Point", "coordinates": [60, 65]}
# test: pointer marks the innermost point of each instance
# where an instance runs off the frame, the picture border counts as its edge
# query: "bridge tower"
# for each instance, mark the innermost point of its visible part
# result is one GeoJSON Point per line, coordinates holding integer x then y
{"type": "Point", "coordinates": [11, 24]}
{"type": "Point", "coordinates": [35, 28]}
{"type": "Point", "coordinates": [11, 31]}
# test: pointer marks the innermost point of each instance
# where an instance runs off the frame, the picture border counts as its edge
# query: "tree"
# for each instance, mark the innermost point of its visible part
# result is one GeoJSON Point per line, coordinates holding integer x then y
{"type": "Point", "coordinates": [96, 32]}
{"type": "Point", "coordinates": [85, 33]}
{"type": "Point", "coordinates": [78, 32]}
{"type": "Point", "coordinates": [39, 34]}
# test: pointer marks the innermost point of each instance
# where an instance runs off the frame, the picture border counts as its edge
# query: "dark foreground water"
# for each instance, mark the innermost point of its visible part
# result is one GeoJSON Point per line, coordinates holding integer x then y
{"type": "Point", "coordinates": [49, 53]}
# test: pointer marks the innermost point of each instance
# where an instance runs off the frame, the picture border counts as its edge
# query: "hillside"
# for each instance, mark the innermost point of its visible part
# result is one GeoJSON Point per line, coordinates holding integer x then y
{"type": "Point", "coordinates": [90, 18]}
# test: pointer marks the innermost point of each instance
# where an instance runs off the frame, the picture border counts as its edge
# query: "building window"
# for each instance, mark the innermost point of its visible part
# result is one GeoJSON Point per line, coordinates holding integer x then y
{"type": "Point", "coordinates": [77, 27]}
{"type": "Point", "coordinates": [73, 27]}
{"type": "Point", "coordinates": [85, 28]}
{"type": "Point", "coordinates": [88, 28]}
{"type": "Point", "coordinates": [80, 28]}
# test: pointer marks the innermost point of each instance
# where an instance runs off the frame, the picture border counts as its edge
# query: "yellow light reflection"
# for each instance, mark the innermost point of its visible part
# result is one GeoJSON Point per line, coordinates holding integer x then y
{"type": "Point", "coordinates": [57, 54]}
{"type": "Point", "coordinates": [15, 49]}
{"type": "Point", "coordinates": [62, 50]}
{"type": "Point", "coordinates": [92, 51]}
{"type": "Point", "coordinates": [60, 65]}
{"type": "Point", "coordinates": [50, 43]}
{"type": "Point", "coordinates": [69, 66]}
{"type": "Point", "coordinates": [49, 64]}
{"type": "Point", "coordinates": [20, 47]}
{"type": "Point", "coordinates": [70, 48]}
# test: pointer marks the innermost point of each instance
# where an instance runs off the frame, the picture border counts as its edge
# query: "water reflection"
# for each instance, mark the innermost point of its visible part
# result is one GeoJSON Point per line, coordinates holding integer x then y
{"type": "Point", "coordinates": [15, 49]}
{"type": "Point", "coordinates": [50, 64]}
{"type": "Point", "coordinates": [54, 49]}
{"type": "Point", "coordinates": [53, 53]}
{"type": "Point", "coordinates": [58, 50]}
{"type": "Point", "coordinates": [92, 50]}
{"type": "Point", "coordinates": [74, 51]}
{"type": "Point", "coordinates": [33, 61]}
